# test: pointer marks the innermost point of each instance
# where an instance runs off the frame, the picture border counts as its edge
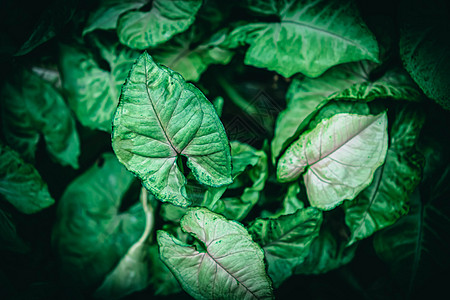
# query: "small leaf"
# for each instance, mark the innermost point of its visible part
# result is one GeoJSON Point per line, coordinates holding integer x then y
{"type": "Point", "coordinates": [21, 184]}
{"type": "Point", "coordinates": [106, 15]}
{"type": "Point", "coordinates": [230, 266]}
{"type": "Point", "coordinates": [90, 235]}
{"type": "Point", "coordinates": [160, 117]}
{"type": "Point", "coordinates": [338, 157]}
{"type": "Point", "coordinates": [285, 46]}
{"type": "Point", "coordinates": [141, 30]}
{"type": "Point", "coordinates": [286, 240]}
{"type": "Point", "coordinates": [93, 92]}
{"type": "Point", "coordinates": [32, 107]}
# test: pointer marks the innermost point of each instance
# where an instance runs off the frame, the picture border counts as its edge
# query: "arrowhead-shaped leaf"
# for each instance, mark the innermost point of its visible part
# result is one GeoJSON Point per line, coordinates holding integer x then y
{"type": "Point", "coordinates": [141, 30]}
{"type": "Point", "coordinates": [21, 184]}
{"type": "Point", "coordinates": [90, 233]}
{"type": "Point", "coordinates": [338, 157]}
{"type": "Point", "coordinates": [93, 92]}
{"type": "Point", "coordinates": [285, 46]}
{"type": "Point", "coordinates": [286, 240]}
{"type": "Point", "coordinates": [230, 265]}
{"type": "Point", "coordinates": [32, 107]}
{"type": "Point", "coordinates": [161, 117]}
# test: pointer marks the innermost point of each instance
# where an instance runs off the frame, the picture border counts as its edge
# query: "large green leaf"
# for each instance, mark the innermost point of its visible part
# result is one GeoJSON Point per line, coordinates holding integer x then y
{"type": "Point", "coordinates": [32, 107]}
{"type": "Point", "coordinates": [383, 202]}
{"type": "Point", "coordinates": [424, 46]}
{"type": "Point", "coordinates": [417, 246]}
{"type": "Point", "coordinates": [189, 55]}
{"type": "Point", "coordinates": [21, 184]}
{"type": "Point", "coordinates": [286, 240]}
{"type": "Point", "coordinates": [310, 37]}
{"type": "Point", "coordinates": [90, 234]}
{"type": "Point", "coordinates": [161, 118]}
{"type": "Point", "coordinates": [108, 12]}
{"type": "Point", "coordinates": [338, 157]}
{"type": "Point", "coordinates": [344, 82]}
{"type": "Point", "coordinates": [141, 30]}
{"type": "Point", "coordinates": [93, 92]}
{"type": "Point", "coordinates": [226, 264]}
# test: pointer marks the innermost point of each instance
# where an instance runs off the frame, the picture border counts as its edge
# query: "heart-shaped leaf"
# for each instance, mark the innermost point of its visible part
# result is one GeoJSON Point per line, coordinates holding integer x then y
{"type": "Point", "coordinates": [338, 157]}
{"type": "Point", "coordinates": [161, 118]}
{"type": "Point", "coordinates": [227, 264]}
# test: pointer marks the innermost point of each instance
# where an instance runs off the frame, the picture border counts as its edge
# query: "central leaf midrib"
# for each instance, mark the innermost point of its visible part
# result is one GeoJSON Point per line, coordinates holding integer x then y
{"type": "Point", "coordinates": [154, 109]}
{"type": "Point", "coordinates": [209, 254]}
{"type": "Point", "coordinates": [343, 144]}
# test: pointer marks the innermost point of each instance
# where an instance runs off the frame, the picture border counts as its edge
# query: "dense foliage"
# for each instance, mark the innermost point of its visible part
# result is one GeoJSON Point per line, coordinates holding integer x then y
{"type": "Point", "coordinates": [224, 149]}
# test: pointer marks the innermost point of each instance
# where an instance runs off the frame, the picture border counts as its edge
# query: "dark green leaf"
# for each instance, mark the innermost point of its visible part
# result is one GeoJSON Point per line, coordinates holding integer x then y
{"type": "Point", "coordinates": [286, 240]}
{"type": "Point", "coordinates": [21, 184]}
{"type": "Point", "coordinates": [9, 239]}
{"type": "Point", "coordinates": [32, 107]}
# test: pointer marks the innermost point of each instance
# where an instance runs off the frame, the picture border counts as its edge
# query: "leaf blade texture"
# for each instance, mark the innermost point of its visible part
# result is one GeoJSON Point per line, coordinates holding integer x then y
{"type": "Point", "coordinates": [338, 157]}
{"type": "Point", "coordinates": [161, 117]}
{"type": "Point", "coordinates": [281, 46]}
{"type": "Point", "coordinates": [141, 30]}
{"type": "Point", "coordinates": [230, 259]}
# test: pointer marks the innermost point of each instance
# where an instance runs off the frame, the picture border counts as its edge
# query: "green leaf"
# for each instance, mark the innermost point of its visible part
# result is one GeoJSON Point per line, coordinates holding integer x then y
{"type": "Point", "coordinates": [132, 272]}
{"type": "Point", "coordinates": [189, 55]}
{"type": "Point", "coordinates": [93, 92]}
{"type": "Point", "coordinates": [327, 252]}
{"type": "Point", "coordinates": [141, 30]}
{"type": "Point", "coordinates": [383, 202]}
{"type": "Point", "coordinates": [417, 246]}
{"type": "Point", "coordinates": [90, 234]}
{"type": "Point", "coordinates": [105, 17]}
{"type": "Point", "coordinates": [300, 40]}
{"type": "Point", "coordinates": [21, 184]}
{"type": "Point", "coordinates": [162, 280]}
{"type": "Point", "coordinates": [32, 107]}
{"type": "Point", "coordinates": [9, 238]}
{"type": "Point", "coordinates": [291, 202]}
{"type": "Point", "coordinates": [338, 157]}
{"type": "Point", "coordinates": [228, 265]}
{"type": "Point", "coordinates": [424, 46]}
{"type": "Point", "coordinates": [160, 118]}
{"type": "Point", "coordinates": [286, 240]}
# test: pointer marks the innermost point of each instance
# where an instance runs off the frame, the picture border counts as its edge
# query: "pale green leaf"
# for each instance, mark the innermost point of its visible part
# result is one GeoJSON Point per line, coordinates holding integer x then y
{"type": "Point", "coordinates": [32, 108]}
{"type": "Point", "coordinates": [141, 30]}
{"type": "Point", "coordinates": [162, 280]}
{"type": "Point", "coordinates": [286, 240]}
{"type": "Point", "coordinates": [334, 29]}
{"type": "Point", "coordinates": [93, 92]}
{"type": "Point", "coordinates": [227, 264]}
{"type": "Point", "coordinates": [383, 202]}
{"type": "Point", "coordinates": [160, 118]}
{"type": "Point", "coordinates": [107, 14]}
{"type": "Point", "coordinates": [21, 184]}
{"type": "Point", "coordinates": [90, 235]}
{"type": "Point", "coordinates": [337, 158]}
{"type": "Point", "coordinates": [189, 55]}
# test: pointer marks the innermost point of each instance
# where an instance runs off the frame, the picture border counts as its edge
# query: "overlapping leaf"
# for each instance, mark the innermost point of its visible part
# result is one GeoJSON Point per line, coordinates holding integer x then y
{"type": "Point", "coordinates": [32, 107]}
{"type": "Point", "coordinates": [21, 184]}
{"type": "Point", "coordinates": [90, 234]}
{"type": "Point", "coordinates": [93, 92]}
{"type": "Point", "coordinates": [286, 240]}
{"type": "Point", "coordinates": [334, 28]}
{"type": "Point", "coordinates": [141, 30]}
{"type": "Point", "coordinates": [227, 264]}
{"type": "Point", "coordinates": [383, 202]}
{"type": "Point", "coordinates": [161, 118]}
{"type": "Point", "coordinates": [338, 157]}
